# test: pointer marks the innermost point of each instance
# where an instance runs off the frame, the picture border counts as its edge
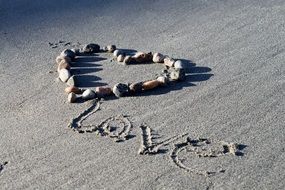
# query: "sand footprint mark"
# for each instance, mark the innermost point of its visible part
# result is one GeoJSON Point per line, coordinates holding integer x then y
{"type": "Point", "coordinates": [2, 166]}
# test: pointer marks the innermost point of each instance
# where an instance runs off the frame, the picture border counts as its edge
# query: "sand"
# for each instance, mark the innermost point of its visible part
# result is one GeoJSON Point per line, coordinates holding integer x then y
{"type": "Point", "coordinates": [234, 93]}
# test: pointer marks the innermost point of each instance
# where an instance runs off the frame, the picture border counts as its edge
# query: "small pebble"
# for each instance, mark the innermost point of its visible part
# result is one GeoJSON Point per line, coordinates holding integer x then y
{"type": "Point", "coordinates": [68, 53]}
{"type": "Point", "coordinates": [178, 74]}
{"type": "Point", "coordinates": [120, 90]}
{"type": "Point", "coordinates": [64, 75]}
{"type": "Point", "coordinates": [71, 81]}
{"type": "Point", "coordinates": [111, 48]}
{"type": "Point", "coordinates": [88, 94]}
{"type": "Point", "coordinates": [157, 58]}
{"type": "Point", "coordinates": [168, 61]}
{"type": "Point", "coordinates": [179, 65]}
{"type": "Point", "coordinates": [91, 48]}
{"type": "Point", "coordinates": [120, 58]}
{"type": "Point", "coordinates": [71, 98]}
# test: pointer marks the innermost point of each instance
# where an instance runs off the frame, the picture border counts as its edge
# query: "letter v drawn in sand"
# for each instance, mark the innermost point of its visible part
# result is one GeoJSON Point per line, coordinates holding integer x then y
{"type": "Point", "coordinates": [150, 147]}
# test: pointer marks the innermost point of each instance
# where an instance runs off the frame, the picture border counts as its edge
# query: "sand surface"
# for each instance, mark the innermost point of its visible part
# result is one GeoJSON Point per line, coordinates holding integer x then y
{"type": "Point", "coordinates": [234, 92]}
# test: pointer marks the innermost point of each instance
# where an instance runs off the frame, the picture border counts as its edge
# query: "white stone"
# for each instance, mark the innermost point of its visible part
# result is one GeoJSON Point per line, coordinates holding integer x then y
{"type": "Point", "coordinates": [120, 58]}
{"type": "Point", "coordinates": [88, 94]}
{"type": "Point", "coordinates": [117, 52]}
{"type": "Point", "coordinates": [71, 98]}
{"type": "Point", "coordinates": [179, 64]}
{"type": "Point", "coordinates": [64, 75]}
{"type": "Point", "coordinates": [157, 58]}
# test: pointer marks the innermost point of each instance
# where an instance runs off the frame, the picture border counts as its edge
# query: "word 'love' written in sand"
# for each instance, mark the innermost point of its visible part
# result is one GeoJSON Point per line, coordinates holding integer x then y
{"type": "Point", "coordinates": [119, 128]}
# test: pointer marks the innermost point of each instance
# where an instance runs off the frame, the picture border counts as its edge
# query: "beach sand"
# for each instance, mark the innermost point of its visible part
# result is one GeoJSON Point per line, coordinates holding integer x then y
{"type": "Point", "coordinates": [234, 92]}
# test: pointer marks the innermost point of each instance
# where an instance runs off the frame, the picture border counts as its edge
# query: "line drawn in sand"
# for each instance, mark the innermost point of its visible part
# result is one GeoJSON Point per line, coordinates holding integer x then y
{"type": "Point", "coordinates": [148, 146]}
{"type": "Point", "coordinates": [201, 147]}
{"type": "Point", "coordinates": [108, 127]}
{"type": "Point", "coordinates": [2, 166]}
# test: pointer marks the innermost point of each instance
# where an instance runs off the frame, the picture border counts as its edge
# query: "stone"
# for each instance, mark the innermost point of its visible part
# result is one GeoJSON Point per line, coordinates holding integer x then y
{"type": "Point", "coordinates": [128, 59]}
{"type": "Point", "coordinates": [179, 64]}
{"type": "Point", "coordinates": [103, 91]}
{"type": "Point", "coordinates": [71, 81]}
{"type": "Point", "coordinates": [162, 79]}
{"type": "Point", "coordinates": [168, 61]}
{"type": "Point", "coordinates": [136, 87]}
{"type": "Point", "coordinates": [120, 58]}
{"type": "Point", "coordinates": [141, 57]}
{"type": "Point", "coordinates": [120, 90]}
{"type": "Point", "coordinates": [104, 49]}
{"type": "Point", "coordinates": [88, 94]}
{"type": "Point", "coordinates": [111, 48]}
{"type": "Point", "coordinates": [73, 89]}
{"type": "Point", "coordinates": [71, 98]}
{"type": "Point", "coordinates": [157, 58]}
{"type": "Point", "coordinates": [147, 85]}
{"type": "Point", "coordinates": [178, 75]}
{"type": "Point", "coordinates": [60, 58]}
{"type": "Point", "coordinates": [91, 48]}
{"type": "Point", "coordinates": [76, 51]}
{"type": "Point", "coordinates": [63, 65]}
{"type": "Point", "coordinates": [64, 75]}
{"type": "Point", "coordinates": [117, 52]}
{"type": "Point", "coordinates": [68, 53]}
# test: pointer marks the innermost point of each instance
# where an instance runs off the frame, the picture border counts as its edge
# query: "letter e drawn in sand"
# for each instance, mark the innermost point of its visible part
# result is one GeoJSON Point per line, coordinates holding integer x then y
{"type": "Point", "coordinates": [204, 148]}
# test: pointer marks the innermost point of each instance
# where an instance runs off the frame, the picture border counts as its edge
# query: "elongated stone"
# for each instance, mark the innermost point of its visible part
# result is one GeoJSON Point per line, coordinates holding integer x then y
{"type": "Point", "coordinates": [71, 98]}
{"type": "Point", "coordinates": [147, 85]}
{"type": "Point", "coordinates": [103, 91]}
{"type": "Point", "coordinates": [141, 57]}
{"type": "Point", "coordinates": [73, 89]}
{"type": "Point", "coordinates": [64, 75]}
{"type": "Point", "coordinates": [71, 81]}
{"type": "Point", "coordinates": [91, 48]}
